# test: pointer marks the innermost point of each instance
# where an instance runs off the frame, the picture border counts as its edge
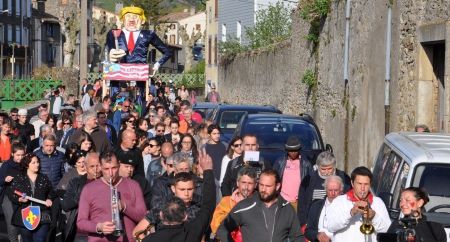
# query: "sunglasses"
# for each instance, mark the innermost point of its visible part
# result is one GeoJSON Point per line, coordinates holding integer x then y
{"type": "Point", "coordinates": [236, 145]}
{"type": "Point", "coordinates": [68, 123]}
{"type": "Point", "coordinates": [160, 130]}
{"type": "Point", "coordinates": [130, 121]}
{"type": "Point", "coordinates": [152, 145]}
{"type": "Point", "coordinates": [170, 165]}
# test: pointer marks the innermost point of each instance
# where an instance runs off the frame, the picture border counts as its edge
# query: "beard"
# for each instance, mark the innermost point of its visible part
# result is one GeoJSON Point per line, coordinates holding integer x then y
{"type": "Point", "coordinates": [268, 197]}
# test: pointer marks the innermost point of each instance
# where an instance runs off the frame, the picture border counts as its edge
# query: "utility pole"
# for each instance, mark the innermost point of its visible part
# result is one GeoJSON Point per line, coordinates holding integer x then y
{"type": "Point", "coordinates": [83, 40]}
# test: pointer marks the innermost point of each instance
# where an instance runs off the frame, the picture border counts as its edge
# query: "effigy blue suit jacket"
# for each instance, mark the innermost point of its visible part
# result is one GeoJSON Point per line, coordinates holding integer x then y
{"type": "Point", "coordinates": [139, 54]}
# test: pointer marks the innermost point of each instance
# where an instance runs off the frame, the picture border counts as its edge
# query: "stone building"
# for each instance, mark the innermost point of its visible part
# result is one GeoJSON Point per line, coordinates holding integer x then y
{"type": "Point", "coordinates": [387, 89]}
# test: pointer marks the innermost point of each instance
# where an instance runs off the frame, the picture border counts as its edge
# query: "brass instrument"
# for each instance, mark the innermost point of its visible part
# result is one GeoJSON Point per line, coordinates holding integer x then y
{"type": "Point", "coordinates": [367, 226]}
{"type": "Point", "coordinates": [144, 232]}
{"type": "Point", "coordinates": [115, 209]}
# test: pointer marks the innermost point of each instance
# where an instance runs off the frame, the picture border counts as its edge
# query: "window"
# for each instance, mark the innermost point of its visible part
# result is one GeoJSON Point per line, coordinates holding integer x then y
{"type": "Point", "coordinates": [216, 8]}
{"type": "Point", "coordinates": [434, 178]}
{"type": "Point", "coordinates": [197, 27]}
{"type": "Point", "coordinates": [9, 35]}
{"type": "Point", "coordinates": [209, 50]}
{"type": "Point", "coordinates": [209, 15]}
{"type": "Point", "coordinates": [9, 7]}
{"type": "Point", "coordinates": [2, 31]}
{"type": "Point", "coordinates": [215, 50]}
{"type": "Point", "coordinates": [239, 31]}
{"type": "Point", "coordinates": [50, 30]}
{"type": "Point", "coordinates": [17, 7]}
{"type": "Point", "coordinates": [1, 5]}
{"type": "Point", "coordinates": [18, 37]}
{"type": "Point", "coordinates": [172, 26]}
{"type": "Point", "coordinates": [51, 51]}
{"type": "Point", "coordinates": [224, 32]}
{"type": "Point", "coordinates": [25, 36]}
{"type": "Point", "coordinates": [172, 39]}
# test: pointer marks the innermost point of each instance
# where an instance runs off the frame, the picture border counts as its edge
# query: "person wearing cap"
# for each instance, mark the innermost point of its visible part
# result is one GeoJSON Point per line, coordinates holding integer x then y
{"type": "Point", "coordinates": [292, 169]}
{"type": "Point", "coordinates": [126, 170]}
{"type": "Point", "coordinates": [26, 130]}
{"type": "Point", "coordinates": [133, 41]}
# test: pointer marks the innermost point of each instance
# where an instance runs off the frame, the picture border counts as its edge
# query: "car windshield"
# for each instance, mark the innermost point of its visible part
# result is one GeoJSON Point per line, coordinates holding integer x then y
{"type": "Point", "coordinates": [434, 178]}
{"type": "Point", "coordinates": [273, 135]}
{"type": "Point", "coordinates": [230, 119]}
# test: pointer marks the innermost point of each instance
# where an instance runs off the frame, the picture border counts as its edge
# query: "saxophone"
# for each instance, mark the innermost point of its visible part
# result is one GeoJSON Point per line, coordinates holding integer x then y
{"type": "Point", "coordinates": [115, 209]}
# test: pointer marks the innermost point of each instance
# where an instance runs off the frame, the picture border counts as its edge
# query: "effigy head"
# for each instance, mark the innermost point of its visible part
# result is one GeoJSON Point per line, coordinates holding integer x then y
{"type": "Point", "coordinates": [132, 18]}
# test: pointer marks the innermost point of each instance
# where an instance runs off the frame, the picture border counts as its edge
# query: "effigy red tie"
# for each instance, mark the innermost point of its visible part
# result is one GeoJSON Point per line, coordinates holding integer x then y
{"type": "Point", "coordinates": [130, 43]}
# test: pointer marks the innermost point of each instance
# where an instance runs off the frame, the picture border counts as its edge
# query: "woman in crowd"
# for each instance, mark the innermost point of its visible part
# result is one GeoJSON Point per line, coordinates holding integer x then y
{"type": "Point", "coordinates": [142, 124]}
{"type": "Point", "coordinates": [52, 121]}
{"type": "Point", "coordinates": [412, 202]}
{"type": "Point", "coordinates": [77, 168]}
{"type": "Point", "coordinates": [188, 147]}
{"type": "Point", "coordinates": [183, 93]}
{"type": "Point", "coordinates": [128, 123]}
{"type": "Point", "coordinates": [234, 150]}
{"type": "Point", "coordinates": [37, 185]}
{"type": "Point", "coordinates": [174, 136]}
{"type": "Point", "coordinates": [167, 120]}
{"type": "Point", "coordinates": [85, 142]}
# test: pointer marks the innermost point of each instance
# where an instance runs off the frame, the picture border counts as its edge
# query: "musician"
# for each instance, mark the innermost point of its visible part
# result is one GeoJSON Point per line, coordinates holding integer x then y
{"type": "Point", "coordinates": [95, 210]}
{"type": "Point", "coordinates": [31, 182]}
{"type": "Point", "coordinates": [346, 213]}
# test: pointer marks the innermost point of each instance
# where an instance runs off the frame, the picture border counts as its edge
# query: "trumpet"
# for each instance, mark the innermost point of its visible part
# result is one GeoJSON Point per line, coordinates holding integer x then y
{"type": "Point", "coordinates": [367, 226]}
{"type": "Point", "coordinates": [115, 213]}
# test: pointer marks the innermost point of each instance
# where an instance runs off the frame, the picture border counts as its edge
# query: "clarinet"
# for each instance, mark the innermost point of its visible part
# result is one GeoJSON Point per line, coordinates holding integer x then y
{"type": "Point", "coordinates": [115, 209]}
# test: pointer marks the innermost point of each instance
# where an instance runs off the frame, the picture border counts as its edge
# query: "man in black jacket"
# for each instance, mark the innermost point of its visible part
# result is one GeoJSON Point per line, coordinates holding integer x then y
{"type": "Point", "coordinates": [72, 195]}
{"type": "Point", "coordinates": [195, 228]}
{"type": "Point", "coordinates": [265, 216]}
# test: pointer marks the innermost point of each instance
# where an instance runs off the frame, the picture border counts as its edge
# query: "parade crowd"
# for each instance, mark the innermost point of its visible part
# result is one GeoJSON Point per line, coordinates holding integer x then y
{"type": "Point", "coordinates": [120, 168]}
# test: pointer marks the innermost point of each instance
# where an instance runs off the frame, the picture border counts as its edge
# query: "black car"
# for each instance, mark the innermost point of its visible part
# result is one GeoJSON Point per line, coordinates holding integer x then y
{"type": "Point", "coordinates": [205, 109]}
{"type": "Point", "coordinates": [227, 116]}
{"type": "Point", "coordinates": [273, 130]}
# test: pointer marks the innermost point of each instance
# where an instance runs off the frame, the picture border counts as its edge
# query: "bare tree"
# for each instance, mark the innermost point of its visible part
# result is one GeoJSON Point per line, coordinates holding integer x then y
{"type": "Point", "coordinates": [69, 21]}
{"type": "Point", "coordinates": [188, 44]}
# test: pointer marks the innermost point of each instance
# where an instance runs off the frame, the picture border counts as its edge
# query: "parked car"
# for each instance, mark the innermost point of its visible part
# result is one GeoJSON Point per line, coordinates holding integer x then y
{"type": "Point", "coordinates": [227, 116]}
{"type": "Point", "coordinates": [273, 130]}
{"type": "Point", "coordinates": [205, 109]}
{"type": "Point", "coordinates": [419, 160]}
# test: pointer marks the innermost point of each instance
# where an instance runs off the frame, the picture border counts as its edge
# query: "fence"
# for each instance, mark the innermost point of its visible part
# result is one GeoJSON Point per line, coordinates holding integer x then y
{"type": "Point", "coordinates": [26, 90]}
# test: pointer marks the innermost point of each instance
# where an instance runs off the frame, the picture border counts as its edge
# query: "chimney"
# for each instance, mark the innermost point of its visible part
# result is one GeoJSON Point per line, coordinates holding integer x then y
{"type": "Point", "coordinates": [192, 11]}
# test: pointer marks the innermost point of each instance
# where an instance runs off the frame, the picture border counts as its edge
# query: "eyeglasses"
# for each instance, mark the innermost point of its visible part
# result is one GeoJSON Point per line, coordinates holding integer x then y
{"type": "Point", "coordinates": [152, 145]}
{"type": "Point", "coordinates": [152, 116]}
{"type": "Point", "coordinates": [68, 123]}
{"type": "Point", "coordinates": [130, 121]}
{"type": "Point", "coordinates": [126, 106]}
{"type": "Point", "coordinates": [13, 115]}
{"type": "Point", "coordinates": [160, 130]}
{"type": "Point", "coordinates": [170, 165]}
{"type": "Point", "coordinates": [237, 145]}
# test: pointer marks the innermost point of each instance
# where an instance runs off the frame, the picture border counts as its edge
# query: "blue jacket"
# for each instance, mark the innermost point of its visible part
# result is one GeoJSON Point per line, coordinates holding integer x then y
{"type": "Point", "coordinates": [52, 165]}
{"type": "Point", "coordinates": [140, 52]}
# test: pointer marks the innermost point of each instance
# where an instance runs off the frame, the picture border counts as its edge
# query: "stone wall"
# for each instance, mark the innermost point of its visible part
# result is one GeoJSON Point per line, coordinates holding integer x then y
{"type": "Point", "coordinates": [351, 117]}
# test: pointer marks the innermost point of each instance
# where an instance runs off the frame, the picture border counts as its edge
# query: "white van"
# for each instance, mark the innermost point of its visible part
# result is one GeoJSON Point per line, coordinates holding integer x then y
{"type": "Point", "coordinates": [419, 160]}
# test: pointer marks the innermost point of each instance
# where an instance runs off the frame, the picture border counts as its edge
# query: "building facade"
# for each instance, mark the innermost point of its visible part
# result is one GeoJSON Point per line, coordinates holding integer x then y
{"type": "Point", "coordinates": [15, 28]}
{"type": "Point", "coordinates": [211, 42]}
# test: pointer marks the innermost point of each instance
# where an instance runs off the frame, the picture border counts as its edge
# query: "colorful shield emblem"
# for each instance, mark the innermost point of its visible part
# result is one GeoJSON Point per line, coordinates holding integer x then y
{"type": "Point", "coordinates": [31, 216]}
